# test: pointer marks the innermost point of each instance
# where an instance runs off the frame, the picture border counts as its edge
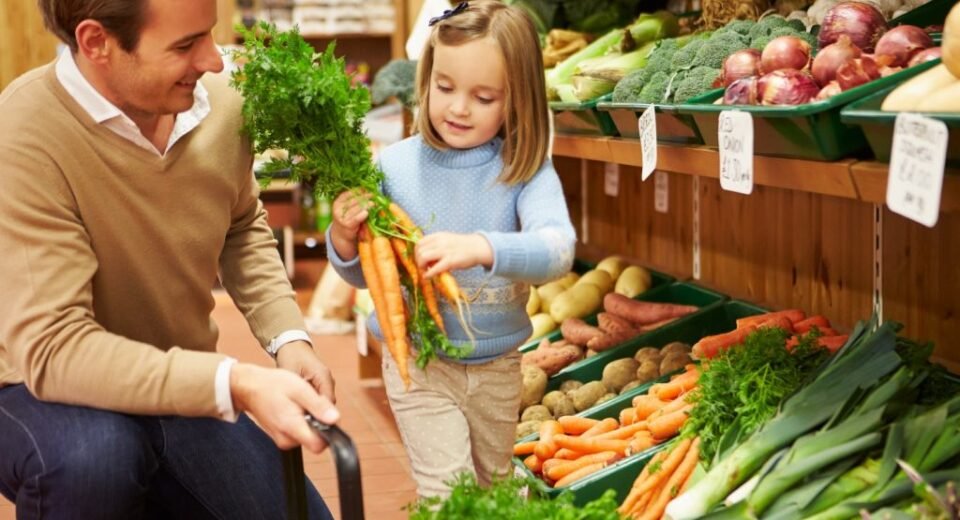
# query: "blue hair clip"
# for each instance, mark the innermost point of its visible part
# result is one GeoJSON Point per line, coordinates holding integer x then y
{"type": "Point", "coordinates": [461, 7]}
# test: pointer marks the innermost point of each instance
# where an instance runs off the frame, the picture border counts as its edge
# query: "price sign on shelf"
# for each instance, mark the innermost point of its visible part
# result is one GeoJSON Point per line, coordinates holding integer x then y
{"type": "Point", "coordinates": [661, 193]}
{"type": "Point", "coordinates": [648, 142]}
{"type": "Point", "coordinates": [916, 167]}
{"type": "Point", "coordinates": [735, 133]}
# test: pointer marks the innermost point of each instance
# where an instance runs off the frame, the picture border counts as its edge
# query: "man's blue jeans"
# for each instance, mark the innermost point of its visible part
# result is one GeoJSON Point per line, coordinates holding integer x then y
{"type": "Point", "coordinates": [60, 461]}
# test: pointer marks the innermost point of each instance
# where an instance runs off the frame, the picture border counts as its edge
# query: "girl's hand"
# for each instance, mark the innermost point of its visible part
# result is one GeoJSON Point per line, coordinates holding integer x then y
{"type": "Point", "coordinates": [348, 212]}
{"type": "Point", "coordinates": [441, 252]}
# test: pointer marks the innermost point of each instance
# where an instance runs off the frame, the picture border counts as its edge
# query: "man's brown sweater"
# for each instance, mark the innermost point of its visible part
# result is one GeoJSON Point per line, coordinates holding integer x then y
{"type": "Point", "coordinates": [108, 253]}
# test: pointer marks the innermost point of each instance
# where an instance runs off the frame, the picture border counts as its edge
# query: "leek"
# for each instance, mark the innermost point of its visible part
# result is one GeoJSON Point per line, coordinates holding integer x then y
{"type": "Point", "coordinates": [615, 67]}
{"type": "Point", "coordinates": [586, 88]}
{"type": "Point", "coordinates": [563, 72]}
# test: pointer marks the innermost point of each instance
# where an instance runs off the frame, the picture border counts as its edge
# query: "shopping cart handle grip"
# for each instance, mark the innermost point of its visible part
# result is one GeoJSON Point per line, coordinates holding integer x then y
{"type": "Point", "coordinates": [348, 467]}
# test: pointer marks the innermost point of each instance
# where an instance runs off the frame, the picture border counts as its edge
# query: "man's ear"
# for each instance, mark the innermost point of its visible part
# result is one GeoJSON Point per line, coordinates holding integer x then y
{"type": "Point", "coordinates": [93, 41]}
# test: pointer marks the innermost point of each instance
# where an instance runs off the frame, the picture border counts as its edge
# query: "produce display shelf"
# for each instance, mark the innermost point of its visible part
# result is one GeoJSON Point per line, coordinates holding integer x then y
{"type": "Point", "coordinates": [672, 126]}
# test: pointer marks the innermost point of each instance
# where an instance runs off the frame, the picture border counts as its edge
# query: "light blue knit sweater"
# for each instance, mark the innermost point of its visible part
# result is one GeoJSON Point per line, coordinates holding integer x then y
{"type": "Point", "coordinates": [527, 225]}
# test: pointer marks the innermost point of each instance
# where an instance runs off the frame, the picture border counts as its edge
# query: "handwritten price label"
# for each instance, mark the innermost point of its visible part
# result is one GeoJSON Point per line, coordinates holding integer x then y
{"type": "Point", "coordinates": [736, 151]}
{"type": "Point", "coordinates": [661, 192]}
{"type": "Point", "coordinates": [648, 142]}
{"type": "Point", "coordinates": [916, 168]}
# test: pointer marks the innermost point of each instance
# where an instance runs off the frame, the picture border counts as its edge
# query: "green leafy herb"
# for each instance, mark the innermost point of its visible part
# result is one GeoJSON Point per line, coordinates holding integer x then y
{"type": "Point", "coordinates": [745, 384]}
{"type": "Point", "coordinates": [305, 103]}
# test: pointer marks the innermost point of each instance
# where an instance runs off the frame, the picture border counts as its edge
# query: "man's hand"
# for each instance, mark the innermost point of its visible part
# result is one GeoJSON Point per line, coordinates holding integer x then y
{"type": "Point", "coordinates": [278, 400]}
{"type": "Point", "coordinates": [299, 358]}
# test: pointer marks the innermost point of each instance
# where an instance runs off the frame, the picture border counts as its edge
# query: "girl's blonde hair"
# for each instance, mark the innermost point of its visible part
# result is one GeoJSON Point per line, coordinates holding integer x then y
{"type": "Point", "coordinates": [526, 128]}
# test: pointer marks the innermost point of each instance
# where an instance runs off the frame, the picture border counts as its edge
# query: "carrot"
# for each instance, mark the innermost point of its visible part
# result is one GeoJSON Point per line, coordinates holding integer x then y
{"type": "Point", "coordinates": [402, 250]}
{"type": "Point", "coordinates": [628, 416]}
{"type": "Point", "coordinates": [671, 488]}
{"type": "Point", "coordinates": [646, 404]}
{"type": "Point", "coordinates": [643, 313]}
{"type": "Point", "coordinates": [533, 463]}
{"type": "Point", "coordinates": [566, 454]}
{"type": "Point", "coordinates": [833, 343]}
{"type": "Point", "coordinates": [624, 432]}
{"type": "Point", "coordinates": [575, 425]}
{"type": "Point", "coordinates": [547, 446]}
{"type": "Point", "coordinates": [794, 315]}
{"type": "Point", "coordinates": [662, 472]}
{"type": "Point", "coordinates": [603, 426]}
{"type": "Point", "coordinates": [404, 222]}
{"type": "Point", "coordinates": [579, 474]}
{"type": "Point", "coordinates": [549, 464]}
{"type": "Point", "coordinates": [827, 332]}
{"type": "Point", "coordinates": [430, 300]}
{"type": "Point", "coordinates": [635, 493]}
{"type": "Point", "coordinates": [804, 326]}
{"type": "Point", "coordinates": [641, 504]}
{"type": "Point", "coordinates": [566, 467]}
{"type": "Point", "coordinates": [372, 278]}
{"type": "Point", "coordinates": [680, 384]}
{"type": "Point", "coordinates": [641, 442]}
{"type": "Point", "coordinates": [590, 445]}
{"type": "Point", "coordinates": [524, 448]}
{"type": "Point", "coordinates": [710, 346]}
{"type": "Point", "coordinates": [395, 318]}
{"type": "Point", "coordinates": [668, 408]}
{"type": "Point", "coordinates": [669, 425]}
{"type": "Point", "coordinates": [780, 322]}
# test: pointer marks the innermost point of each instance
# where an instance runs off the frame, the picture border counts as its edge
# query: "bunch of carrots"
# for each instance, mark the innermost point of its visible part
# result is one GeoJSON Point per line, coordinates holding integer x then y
{"type": "Point", "coordinates": [793, 321]}
{"type": "Point", "coordinates": [663, 478]}
{"type": "Point", "coordinates": [572, 447]}
{"type": "Point", "coordinates": [384, 241]}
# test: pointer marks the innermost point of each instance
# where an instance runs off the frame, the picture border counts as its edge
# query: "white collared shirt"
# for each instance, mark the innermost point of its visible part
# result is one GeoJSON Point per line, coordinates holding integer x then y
{"type": "Point", "coordinates": [107, 114]}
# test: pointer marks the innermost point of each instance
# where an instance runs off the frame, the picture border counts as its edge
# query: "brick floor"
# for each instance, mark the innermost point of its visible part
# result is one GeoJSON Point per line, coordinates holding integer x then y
{"type": "Point", "coordinates": [385, 470]}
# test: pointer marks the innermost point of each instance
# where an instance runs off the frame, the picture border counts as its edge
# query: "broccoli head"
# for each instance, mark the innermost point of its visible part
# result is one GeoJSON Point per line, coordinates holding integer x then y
{"type": "Point", "coordinates": [760, 42]}
{"type": "Point", "coordinates": [797, 25]}
{"type": "Point", "coordinates": [662, 56]}
{"type": "Point", "coordinates": [717, 49]}
{"type": "Point", "coordinates": [628, 89]}
{"type": "Point", "coordinates": [773, 22]}
{"type": "Point", "coordinates": [396, 78]}
{"type": "Point", "coordinates": [684, 56]}
{"type": "Point", "coordinates": [740, 26]}
{"type": "Point", "coordinates": [655, 89]}
{"type": "Point", "coordinates": [757, 31]}
{"type": "Point", "coordinates": [697, 81]}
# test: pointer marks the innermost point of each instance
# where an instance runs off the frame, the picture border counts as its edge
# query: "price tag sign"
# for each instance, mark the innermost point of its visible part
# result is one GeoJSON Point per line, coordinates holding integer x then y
{"type": "Point", "coordinates": [736, 151]}
{"type": "Point", "coordinates": [661, 192]}
{"type": "Point", "coordinates": [611, 179]}
{"type": "Point", "coordinates": [648, 142]}
{"type": "Point", "coordinates": [916, 167]}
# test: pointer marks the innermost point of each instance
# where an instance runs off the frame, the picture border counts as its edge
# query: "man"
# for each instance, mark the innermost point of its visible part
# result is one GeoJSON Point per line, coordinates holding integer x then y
{"type": "Point", "coordinates": [125, 190]}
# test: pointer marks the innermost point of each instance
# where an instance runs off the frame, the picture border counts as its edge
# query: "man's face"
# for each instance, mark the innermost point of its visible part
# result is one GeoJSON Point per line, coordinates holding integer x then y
{"type": "Point", "coordinates": [176, 48]}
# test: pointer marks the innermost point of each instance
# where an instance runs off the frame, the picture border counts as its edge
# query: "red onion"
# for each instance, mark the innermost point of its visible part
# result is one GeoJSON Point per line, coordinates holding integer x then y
{"type": "Point", "coordinates": [785, 52]}
{"type": "Point", "coordinates": [924, 56]}
{"type": "Point", "coordinates": [857, 72]}
{"type": "Point", "coordinates": [887, 70]}
{"type": "Point", "coordinates": [830, 90]}
{"type": "Point", "coordinates": [741, 92]}
{"type": "Point", "coordinates": [863, 23]}
{"type": "Point", "coordinates": [741, 64]}
{"type": "Point", "coordinates": [902, 43]}
{"type": "Point", "coordinates": [786, 87]}
{"type": "Point", "coordinates": [829, 59]}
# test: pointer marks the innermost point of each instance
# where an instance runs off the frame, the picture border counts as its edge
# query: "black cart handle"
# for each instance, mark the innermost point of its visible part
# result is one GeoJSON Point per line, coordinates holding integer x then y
{"type": "Point", "coordinates": [348, 474]}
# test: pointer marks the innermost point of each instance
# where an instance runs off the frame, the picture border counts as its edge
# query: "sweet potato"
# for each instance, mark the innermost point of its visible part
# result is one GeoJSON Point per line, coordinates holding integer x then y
{"type": "Point", "coordinates": [578, 331]}
{"type": "Point", "coordinates": [609, 340]}
{"type": "Point", "coordinates": [552, 359]}
{"type": "Point", "coordinates": [643, 313]}
{"type": "Point", "coordinates": [615, 324]}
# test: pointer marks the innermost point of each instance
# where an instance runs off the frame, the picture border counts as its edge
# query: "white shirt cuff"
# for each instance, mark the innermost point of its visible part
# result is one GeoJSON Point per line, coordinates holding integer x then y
{"type": "Point", "coordinates": [289, 336]}
{"type": "Point", "coordinates": [222, 391]}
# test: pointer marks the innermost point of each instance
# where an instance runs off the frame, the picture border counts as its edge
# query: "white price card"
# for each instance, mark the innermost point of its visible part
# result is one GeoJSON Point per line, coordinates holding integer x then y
{"type": "Point", "coordinates": [916, 167]}
{"type": "Point", "coordinates": [661, 192]}
{"type": "Point", "coordinates": [648, 142]}
{"type": "Point", "coordinates": [611, 179]}
{"type": "Point", "coordinates": [735, 133]}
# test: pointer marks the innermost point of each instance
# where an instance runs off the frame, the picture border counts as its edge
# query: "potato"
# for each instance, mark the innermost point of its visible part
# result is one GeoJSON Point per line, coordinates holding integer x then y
{"type": "Point", "coordinates": [565, 407]}
{"type": "Point", "coordinates": [633, 280]}
{"type": "Point", "coordinates": [601, 279]}
{"type": "Point", "coordinates": [533, 302]}
{"type": "Point", "coordinates": [570, 385]}
{"type": "Point", "coordinates": [550, 400]}
{"type": "Point", "coordinates": [569, 279]}
{"type": "Point", "coordinates": [585, 396]}
{"type": "Point", "coordinates": [648, 371]}
{"type": "Point", "coordinates": [604, 398]}
{"type": "Point", "coordinates": [630, 386]}
{"type": "Point", "coordinates": [542, 324]}
{"type": "Point", "coordinates": [537, 412]}
{"type": "Point", "coordinates": [674, 361]}
{"type": "Point", "coordinates": [576, 302]}
{"type": "Point", "coordinates": [676, 346]}
{"type": "Point", "coordinates": [651, 353]}
{"type": "Point", "coordinates": [527, 427]}
{"type": "Point", "coordinates": [618, 373]}
{"type": "Point", "coordinates": [614, 265]}
{"type": "Point", "coordinates": [547, 292]}
{"type": "Point", "coordinates": [534, 385]}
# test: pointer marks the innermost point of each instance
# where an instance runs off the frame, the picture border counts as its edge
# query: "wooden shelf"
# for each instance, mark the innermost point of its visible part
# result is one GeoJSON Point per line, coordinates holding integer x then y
{"type": "Point", "coordinates": [346, 35]}
{"type": "Point", "coordinates": [847, 178]}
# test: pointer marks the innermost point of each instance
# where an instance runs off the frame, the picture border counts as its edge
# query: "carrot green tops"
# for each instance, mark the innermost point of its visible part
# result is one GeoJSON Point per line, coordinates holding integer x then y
{"type": "Point", "coordinates": [110, 252]}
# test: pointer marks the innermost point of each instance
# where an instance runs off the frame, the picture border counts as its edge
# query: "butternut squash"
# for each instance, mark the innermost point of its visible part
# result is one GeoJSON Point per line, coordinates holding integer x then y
{"type": "Point", "coordinates": [950, 49]}
{"type": "Point", "coordinates": [906, 97]}
{"type": "Point", "coordinates": [946, 99]}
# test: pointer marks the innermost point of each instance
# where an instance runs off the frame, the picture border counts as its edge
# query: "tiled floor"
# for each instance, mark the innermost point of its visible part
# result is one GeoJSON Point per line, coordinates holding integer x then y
{"type": "Point", "coordinates": [385, 471]}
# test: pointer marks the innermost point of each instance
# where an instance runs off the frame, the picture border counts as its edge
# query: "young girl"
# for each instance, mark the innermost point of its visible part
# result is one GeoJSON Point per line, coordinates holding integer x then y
{"type": "Point", "coordinates": [477, 179]}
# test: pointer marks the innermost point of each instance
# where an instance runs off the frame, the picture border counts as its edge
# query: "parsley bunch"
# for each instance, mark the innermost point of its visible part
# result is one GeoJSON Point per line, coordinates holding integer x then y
{"type": "Point", "coordinates": [743, 386]}
{"type": "Point", "coordinates": [305, 103]}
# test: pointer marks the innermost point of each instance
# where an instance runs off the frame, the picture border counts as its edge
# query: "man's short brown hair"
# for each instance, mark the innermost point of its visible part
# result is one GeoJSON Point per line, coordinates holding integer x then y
{"type": "Point", "coordinates": [121, 18]}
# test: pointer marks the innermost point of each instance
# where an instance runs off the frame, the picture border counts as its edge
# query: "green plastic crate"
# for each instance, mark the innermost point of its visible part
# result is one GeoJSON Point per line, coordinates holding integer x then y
{"type": "Point", "coordinates": [582, 118]}
{"type": "Point", "coordinates": [657, 279]}
{"type": "Point", "coordinates": [809, 131]}
{"type": "Point", "coordinates": [933, 12]}
{"type": "Point", "coordinates": [877, 125]}
{"type": "Point", "coordinates": [672, 126]}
